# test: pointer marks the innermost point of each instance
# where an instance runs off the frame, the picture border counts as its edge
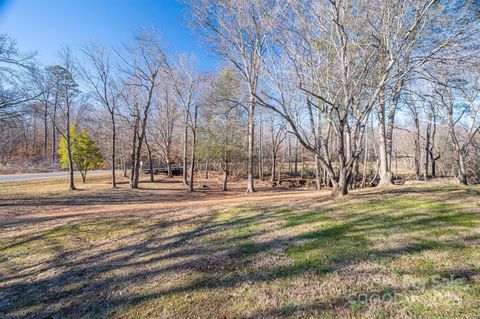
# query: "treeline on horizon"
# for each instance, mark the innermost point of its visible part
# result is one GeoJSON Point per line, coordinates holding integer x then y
{"type": "Point", "coordinates": [348, 93]}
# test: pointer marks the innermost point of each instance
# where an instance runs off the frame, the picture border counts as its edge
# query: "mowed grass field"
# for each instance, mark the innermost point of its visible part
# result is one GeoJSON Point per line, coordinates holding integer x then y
{"type": "Point", "coordinates": [161, 252]}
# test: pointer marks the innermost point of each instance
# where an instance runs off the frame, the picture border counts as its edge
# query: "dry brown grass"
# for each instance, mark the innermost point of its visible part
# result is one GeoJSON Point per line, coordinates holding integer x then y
{"type": "Point", "coordinates": [163, 252]}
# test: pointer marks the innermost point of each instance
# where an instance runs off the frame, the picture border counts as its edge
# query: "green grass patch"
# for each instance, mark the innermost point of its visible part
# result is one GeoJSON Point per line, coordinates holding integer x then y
{"type": "Point", "coordinates": [305, 218]}
{"type": "Point", "coordinates": [303, 259]}
{"type": "Point", "coordinates": [328, 245]}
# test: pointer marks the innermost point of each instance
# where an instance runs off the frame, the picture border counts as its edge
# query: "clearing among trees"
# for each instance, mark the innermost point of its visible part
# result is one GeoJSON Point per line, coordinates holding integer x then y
{"type": "Point", "coordinates": [284, 159]}
{"type": "Point", "coordinates": [161, 251]}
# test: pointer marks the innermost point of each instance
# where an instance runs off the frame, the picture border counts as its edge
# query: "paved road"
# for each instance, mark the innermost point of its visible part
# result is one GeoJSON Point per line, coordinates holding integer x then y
{"type": "Point", "coordinates": [27, 177]}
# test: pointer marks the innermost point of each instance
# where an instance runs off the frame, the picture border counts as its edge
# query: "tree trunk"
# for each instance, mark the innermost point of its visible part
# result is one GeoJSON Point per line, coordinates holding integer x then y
{"type": "Point", "coordinates": [54, 132]}
{"type": "Point", "coordinates": [318, 173]}
{"type": "Point", "coordinates": [302, 174]}
{"type": "Point", "coordinates": [417, 147]}
{"type": "Point", "coordinates": [141, 136]}
{"type": "Point", "coordinates": [319, 146]}
{"type": "Point", "coordinates": [462, 175]}
{"type": "Point", "coordinates": [34, 139]}
{"type": "Point", "coordinates": [134, 150]}
{"type": "Point", "coordinates": [343, 183]}
{"type": "Point", "coordinates": [124, 167]}
{"type": "Point", "coordinates": [251, 128]}
{"type": "Point", "coordinates": [69, 153]}
{"type": "Point", "coordinates": [192, 164]}
{"type": "Point", "coordinates": [343, 178]}
{"type": "Point", "coordinates": [365, 159]}
{"type": "Point", "coordinates": [169, 168]}
{"type": "Point", "coordinates": [114, 138]}
{"type": "Point", "coordinates": [136, 174]}
{"type": "Point", "coordinates": [206, 169]}
{"type": "Point", "coordinates": [194, 144]}
{"type": "Point", "coordinates": [289, 156]}
{"type": "Point", "coordinates": [225, 176]}
{"type": "Point", "coordinates": [135, 165]}
{"type": "Point", "coordinates": [386, 177]}
{"type": "Point", "coordinates": [459, 155]}
{"type": "Point", "coordinates": [389, 137]}
{"type": "Point", "coordinates": [185, 153]}
{"type": "Point", "coordinates": [295, 167]}
{"type": "Point", "coordinates": [434, 167]}
{"type": "Point", "coordinates": [260, 149]}
{"type": "Point", "coordinates": [274, 168]}
{"type": "Point", "coordinates": [427, 148]}
{"type": "Point", "coordinates": [134, 162]}
{"type": "Point", "coordinates": [150, 160]}
{"type": "Point", "coordinates": [226, 159]}
{"type": "Point", "coordinates": [335, 188]}
{"type": "Point", "coordinates": [353, 180]}
{"type": "Point", "coordinates": [136, 171]}
{"type": "Point", "coordinates": [45, 132]}
{"type": "Point", "coordinates": [432, 143]}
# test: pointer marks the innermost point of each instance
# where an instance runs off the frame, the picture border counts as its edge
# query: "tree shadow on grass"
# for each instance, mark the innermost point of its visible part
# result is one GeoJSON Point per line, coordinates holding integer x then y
{"type": "Point", "coordinates": [84, 274]}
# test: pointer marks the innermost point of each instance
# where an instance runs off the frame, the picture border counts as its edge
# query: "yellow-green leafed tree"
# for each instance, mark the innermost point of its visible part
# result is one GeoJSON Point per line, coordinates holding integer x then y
{"type": "Point", "coordinates": [86, 154]}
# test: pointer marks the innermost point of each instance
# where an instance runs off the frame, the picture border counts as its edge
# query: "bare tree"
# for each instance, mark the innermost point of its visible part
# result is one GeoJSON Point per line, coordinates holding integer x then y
{"type": "Point", "coordinates": [150, 159]}
{"type": "Point", "coordinates": [278, 133]}
{"type": "Point", "coordinates": [413, 107]}
{"type": "Point", "coordinates": [100, 76]}
{"type": "Point", "coordinates": [43, 81]}
{"type": "Point", "coordinates": [430, 139]}
{"type": "Point", "coordinates": [164, 120]}
{"type": "Point", "coordinates": [236, 32]}
{"type": "Point", "coordinates": [437, 32]}
{"type": "Point", "coordinates": [301, 86]}
{"type": "Point", "coordinates": [143, 65]}
{"type": "Point", "coordinates": [65, 79]}
{"type": "Point", "coordinates": [186, 82]}
{"type": "Point", "coordinates": [461, 112]}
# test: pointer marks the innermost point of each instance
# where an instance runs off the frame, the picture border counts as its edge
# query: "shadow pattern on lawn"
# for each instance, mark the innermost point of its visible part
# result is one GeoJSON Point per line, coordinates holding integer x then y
{"type": "Point", "coordinates": [82, 273]}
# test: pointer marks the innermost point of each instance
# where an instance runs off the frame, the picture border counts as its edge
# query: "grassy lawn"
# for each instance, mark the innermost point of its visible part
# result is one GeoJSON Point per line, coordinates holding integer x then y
{"type": "Point", "coordinates": [159, 252]}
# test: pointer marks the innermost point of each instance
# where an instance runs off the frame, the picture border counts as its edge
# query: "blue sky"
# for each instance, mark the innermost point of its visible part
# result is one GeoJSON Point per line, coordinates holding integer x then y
{"type": "Point", "coordinates": [46, 26]}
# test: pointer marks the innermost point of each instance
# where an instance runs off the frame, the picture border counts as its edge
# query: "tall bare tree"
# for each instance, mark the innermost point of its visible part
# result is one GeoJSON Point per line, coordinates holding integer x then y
{"type": "Point", "coordinates": [236, 31]}
{"type": "Point", "coordinates": [164, 122]}
{"type": "Point", "coordinates": [65, 78]}
{"type": "Point", "coordinates": [278, 134]}
{"type": "Point", "coordinates": [461, 112]}
{"type": "Point", "coordinates": [186, 81]}
{"type": "Point", "coordinates": [101, 78]}
{"type": "Point", "coordinates": [143, 65]}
